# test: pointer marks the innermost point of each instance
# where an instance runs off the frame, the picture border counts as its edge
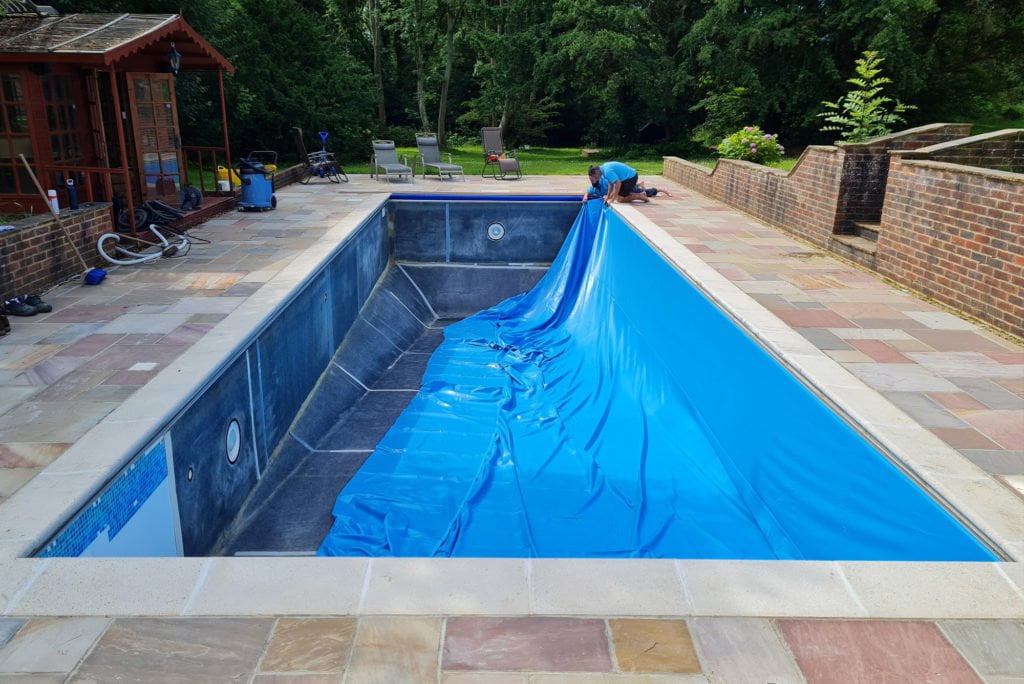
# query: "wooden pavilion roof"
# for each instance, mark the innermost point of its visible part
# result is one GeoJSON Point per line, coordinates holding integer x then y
{"type": "Point", "coordinates": [104, 39]}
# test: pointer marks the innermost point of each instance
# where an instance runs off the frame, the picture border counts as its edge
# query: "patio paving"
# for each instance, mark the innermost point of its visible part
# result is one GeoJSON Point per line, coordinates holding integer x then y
{"type": "Point", "coordinates": [61, 373]}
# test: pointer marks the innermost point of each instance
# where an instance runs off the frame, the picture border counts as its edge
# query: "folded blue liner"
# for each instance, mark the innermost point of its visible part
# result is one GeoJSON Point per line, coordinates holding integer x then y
{"type": "Point", "coordinates": [614, 412]}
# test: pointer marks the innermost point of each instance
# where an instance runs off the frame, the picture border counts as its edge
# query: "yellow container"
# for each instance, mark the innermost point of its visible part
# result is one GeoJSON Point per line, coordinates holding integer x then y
{"type": "Point", "coordinates": [270, 167]}
{"type": "Point", "coordinates": [224, 173]}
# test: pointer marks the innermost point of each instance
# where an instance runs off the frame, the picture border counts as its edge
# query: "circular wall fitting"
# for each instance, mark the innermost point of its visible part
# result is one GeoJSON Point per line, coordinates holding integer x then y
{"type": "Point", "coordinates": [232, 441]}
{"type": "Point", "coordinates": [495, 231]}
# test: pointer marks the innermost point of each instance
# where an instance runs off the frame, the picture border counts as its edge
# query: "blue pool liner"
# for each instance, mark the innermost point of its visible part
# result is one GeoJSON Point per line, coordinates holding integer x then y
{"type": "Point", "coordinates": [614, 412]}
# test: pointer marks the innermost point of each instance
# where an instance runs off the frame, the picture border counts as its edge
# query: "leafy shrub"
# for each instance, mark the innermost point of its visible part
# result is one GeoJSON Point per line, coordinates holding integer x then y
{"type": "Point", "coordinates": [723, 110]}
{"type": "Point", "coordinates": [404, 136]}
{"type": "Point", "coordinates": [463, 139]}
{"type": "Point", "coordinates": [863, 113]}
{"type": "Point", "coordinates": [752, 144]}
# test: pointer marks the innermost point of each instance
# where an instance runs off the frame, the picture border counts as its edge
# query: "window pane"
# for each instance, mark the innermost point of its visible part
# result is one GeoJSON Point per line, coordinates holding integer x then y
{"type": "Point", "coordinates": [51, 117]}
{"type": "Point", "coordinates": [72, 110]}
{"type": "Point", "coordinates": [27, 186]}
{"type": "Point", "coordinates": [145, 115]}
{"type": "Point", "coordinates": [12, 87]}
{"type": "Point", "coordinates": [68, 154]}
{"type": "Point", "coordinates": [5, 151]}
{"type": "Point", "coordinates": [169, 162]}
{"type": "Point", "coordinates": [163, 91]}
{"type": "Point", "coordinates": [22, 145]}
{"type": "Point", "coordinates": [18, 119]}
{"type": "Point", "coordinates": [147, 138]}
{"type": "Point", "coordinates": [55, 146]}
{"type": "Point", "coordinates": [62, 118]}
{"type": "Point", "coordinates": [142, 91]}
{"type": "Point", "coordinates": [48, 89]}
{"type": "Point", "coordinates": [164, 115]}
{"type": "Point", "coordinates": [7, 179]}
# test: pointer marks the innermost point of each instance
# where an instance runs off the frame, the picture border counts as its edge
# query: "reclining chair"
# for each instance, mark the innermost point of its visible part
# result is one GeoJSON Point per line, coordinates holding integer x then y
{"type": "Point", "coordinates": [430, 158]}
{"type": "Point", "coordinates": [320, 163]}
{"type": "Point", "coordinates": [385, 158]}
{"type": "Point", "coordinates": [496, 157]}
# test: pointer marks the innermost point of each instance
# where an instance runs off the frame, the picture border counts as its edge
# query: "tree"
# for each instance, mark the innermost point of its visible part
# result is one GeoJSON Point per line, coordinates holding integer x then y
{"type": "Point", "coordinates": [864, 113]}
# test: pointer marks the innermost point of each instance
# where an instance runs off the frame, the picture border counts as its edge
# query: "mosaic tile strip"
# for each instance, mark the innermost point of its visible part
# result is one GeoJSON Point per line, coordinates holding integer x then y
{"type": "Point", "coordinates": [113, 507]}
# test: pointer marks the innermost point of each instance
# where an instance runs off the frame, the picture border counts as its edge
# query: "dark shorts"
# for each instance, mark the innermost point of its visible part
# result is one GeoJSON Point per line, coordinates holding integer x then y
{"type": "Point", "coordinates": [626, 189]}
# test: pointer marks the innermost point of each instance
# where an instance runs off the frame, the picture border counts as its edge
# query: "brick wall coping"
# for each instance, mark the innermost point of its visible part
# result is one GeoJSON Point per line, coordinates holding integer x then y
{"type": "Point", "coordinates": [40, 219]}
{"type": "Point", "coordinates": [991, 174]}
{"type": "Point", "coordinates": [959, 142]}
{"type": "Point", "coordinates": [752, 165]}
{"type": "Point", "coordinates": [910, 132]}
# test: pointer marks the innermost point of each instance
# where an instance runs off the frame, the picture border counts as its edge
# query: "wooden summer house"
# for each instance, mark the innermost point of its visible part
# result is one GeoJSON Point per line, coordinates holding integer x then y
{"type": "Point", "coordinates": [91, 97]}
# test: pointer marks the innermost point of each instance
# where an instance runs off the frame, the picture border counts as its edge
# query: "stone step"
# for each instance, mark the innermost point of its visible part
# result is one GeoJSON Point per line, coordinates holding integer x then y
{"type": "Point", "coordinates": [857, 242]}
{"type": "Point", "coordinates": [866, 229]}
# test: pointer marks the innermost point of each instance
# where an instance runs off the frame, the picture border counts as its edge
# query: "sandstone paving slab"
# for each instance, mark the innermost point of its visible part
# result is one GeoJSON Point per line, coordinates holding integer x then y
{"type": "Point", "coordinates": [997, 461]}
{"type": "Point", "coordinates": [996, 393]}
{"type": "Point", "coordinates": [606, 587]}
{"type": "Point", "coordinates": [42, 422]}
{"type": "Point", "coordinates": [8, 628]}
{"type": "Point", "coordinates": [537, 644]}
{"type": "Point", "coordinates": [770, 588]}
{"type": "Point", "coordinates": [901, 377]}
{"type": "Point", "coordinates": [743, 650]}
{"type": "Point", "coordinates": [430, 586]}
{"type": "Point", "coordinates": [180, 650]}
{"type": "Point", "coordinates": [653, 646]}
{"type": "Point", "coordinates": [842, 652]}
{"type": "Point", "coordinates": [110, 586]}
{"type": "Point", "coordinates": [924, 410]}
{"type": "Point", "coordinates": [50, 645]}
{"type": "Point", "coordinates": [280, 586]}
{"type": "Point", "coordinates": [485, 678]}
{"type": "Point", "coordinates": [599, 678]}
{"type": "Point", "coordinates": [1005, 428]}
{"type": "Point", "coordinates": [995, 648]}
{"type": "Point", "coordinates": [934, 590]}
{"type": "Point", "coordinates": [395, 649]}
{"type": "Point", "coordinates": [298, 679]}
{"type": "Point", "coordinates": [309, 645]}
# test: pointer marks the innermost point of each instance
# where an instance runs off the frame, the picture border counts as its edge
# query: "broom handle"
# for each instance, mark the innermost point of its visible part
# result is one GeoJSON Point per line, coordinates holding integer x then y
{"type": "Point", "coordinates": [56, 216]}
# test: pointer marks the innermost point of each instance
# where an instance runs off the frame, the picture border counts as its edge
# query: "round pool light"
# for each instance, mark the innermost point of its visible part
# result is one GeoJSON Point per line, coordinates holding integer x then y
{"type": "Point", "coordinates": [232, 441]}
{"type": "Point", "coordinates": [495, 231]}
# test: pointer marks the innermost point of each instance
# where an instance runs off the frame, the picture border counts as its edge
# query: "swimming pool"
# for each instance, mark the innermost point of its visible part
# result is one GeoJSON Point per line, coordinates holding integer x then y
{"type": "Point", "coordinates": [454, 241]}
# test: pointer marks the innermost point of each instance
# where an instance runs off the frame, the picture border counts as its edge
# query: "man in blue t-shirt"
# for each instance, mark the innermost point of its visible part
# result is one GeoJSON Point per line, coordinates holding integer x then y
{"type": "Point", "coordinates": [615, 180]}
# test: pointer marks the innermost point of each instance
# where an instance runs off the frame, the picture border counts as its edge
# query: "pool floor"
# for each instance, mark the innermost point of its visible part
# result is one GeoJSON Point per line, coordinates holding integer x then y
{"type": "Point", "coordinates": [289, 510]}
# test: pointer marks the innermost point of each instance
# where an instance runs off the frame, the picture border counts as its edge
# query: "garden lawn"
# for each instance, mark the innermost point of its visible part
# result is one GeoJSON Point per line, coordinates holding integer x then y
{"type": "Point", "coordinates": [537, 161]}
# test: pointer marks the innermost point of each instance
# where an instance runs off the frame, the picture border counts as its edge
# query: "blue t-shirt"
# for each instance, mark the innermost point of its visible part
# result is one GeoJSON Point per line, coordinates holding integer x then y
{"type": "Point", "coordinates": [600, 188]}
{"type": "Point", "coordinates": [616, 171]}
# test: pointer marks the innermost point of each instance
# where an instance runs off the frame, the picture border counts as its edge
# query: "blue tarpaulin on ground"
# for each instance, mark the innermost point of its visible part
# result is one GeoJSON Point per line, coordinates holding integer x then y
{"type": "Point", "coordinates": [613, 411]}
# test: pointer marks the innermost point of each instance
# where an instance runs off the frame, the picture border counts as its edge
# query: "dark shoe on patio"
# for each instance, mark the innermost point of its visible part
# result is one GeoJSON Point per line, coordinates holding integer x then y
{"type": "Point", "coordinates": [37, 302]}
{"type": "Point", "coordinates": [16, 307]}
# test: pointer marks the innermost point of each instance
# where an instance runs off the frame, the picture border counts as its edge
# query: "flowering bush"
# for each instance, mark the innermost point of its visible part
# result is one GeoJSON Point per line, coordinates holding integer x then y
{"type": "Point", "coordinates": [752, 144]}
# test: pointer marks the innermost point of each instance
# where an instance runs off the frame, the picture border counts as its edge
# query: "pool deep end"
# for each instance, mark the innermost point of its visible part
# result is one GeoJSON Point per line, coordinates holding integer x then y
{"type": "Point", "coordinates": [613, 411]}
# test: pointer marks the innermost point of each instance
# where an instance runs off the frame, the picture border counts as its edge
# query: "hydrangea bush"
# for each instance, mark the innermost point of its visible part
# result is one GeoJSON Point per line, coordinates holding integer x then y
{"type": "Point", "coordinates": [752, 144]}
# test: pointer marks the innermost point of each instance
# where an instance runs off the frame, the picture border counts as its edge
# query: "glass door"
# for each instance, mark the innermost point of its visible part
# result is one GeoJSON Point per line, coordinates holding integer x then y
{"type": "Point", "coordinates": [157, 143]}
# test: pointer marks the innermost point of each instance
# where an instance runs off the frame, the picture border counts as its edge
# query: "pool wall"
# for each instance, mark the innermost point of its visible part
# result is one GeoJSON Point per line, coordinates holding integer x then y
{"type": "Point", "coordinates": [263, 385]}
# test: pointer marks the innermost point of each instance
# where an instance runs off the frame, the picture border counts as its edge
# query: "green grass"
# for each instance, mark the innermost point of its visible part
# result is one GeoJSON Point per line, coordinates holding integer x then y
{"type": "Point", "coordinates": [537, 161]}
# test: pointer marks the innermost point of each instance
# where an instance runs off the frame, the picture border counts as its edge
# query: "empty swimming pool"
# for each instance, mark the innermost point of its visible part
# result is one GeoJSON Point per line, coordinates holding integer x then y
{"type": "Point", "coordinates": [611, 412]}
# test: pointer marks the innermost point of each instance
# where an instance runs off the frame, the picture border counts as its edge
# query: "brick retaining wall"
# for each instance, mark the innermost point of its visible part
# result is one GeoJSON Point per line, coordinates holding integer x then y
{"type": "Point", "coordinates": [1000, 150]}
{"type": "Point", "coordinates": [866, 167]}
{"type": "Point", "coordinates": [36, 256]}
{"type": "Point", "coordinates": [956, 233]}
{"type": "Point", "coordinates": [803, 200]}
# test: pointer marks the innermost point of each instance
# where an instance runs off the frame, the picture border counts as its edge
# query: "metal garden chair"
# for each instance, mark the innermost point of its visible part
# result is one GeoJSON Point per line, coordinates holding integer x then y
{"type": "Point", "coordinates": [430, 158]}
{"type": "Point", "coordinates": [385, 158]}
{"type": "Point", "coordinates": [496, 158]}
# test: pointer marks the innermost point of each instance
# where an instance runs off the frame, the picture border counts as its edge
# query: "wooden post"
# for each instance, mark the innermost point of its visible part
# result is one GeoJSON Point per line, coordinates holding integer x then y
{"type": "Point", "coordinates": [124, 152]}
{"type": "Point", "coordinates": [224, 125]}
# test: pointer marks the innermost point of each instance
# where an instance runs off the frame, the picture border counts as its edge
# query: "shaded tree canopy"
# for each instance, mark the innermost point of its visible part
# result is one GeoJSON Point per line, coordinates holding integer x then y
{"type": "Point", "coordinates": [582, 72]}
